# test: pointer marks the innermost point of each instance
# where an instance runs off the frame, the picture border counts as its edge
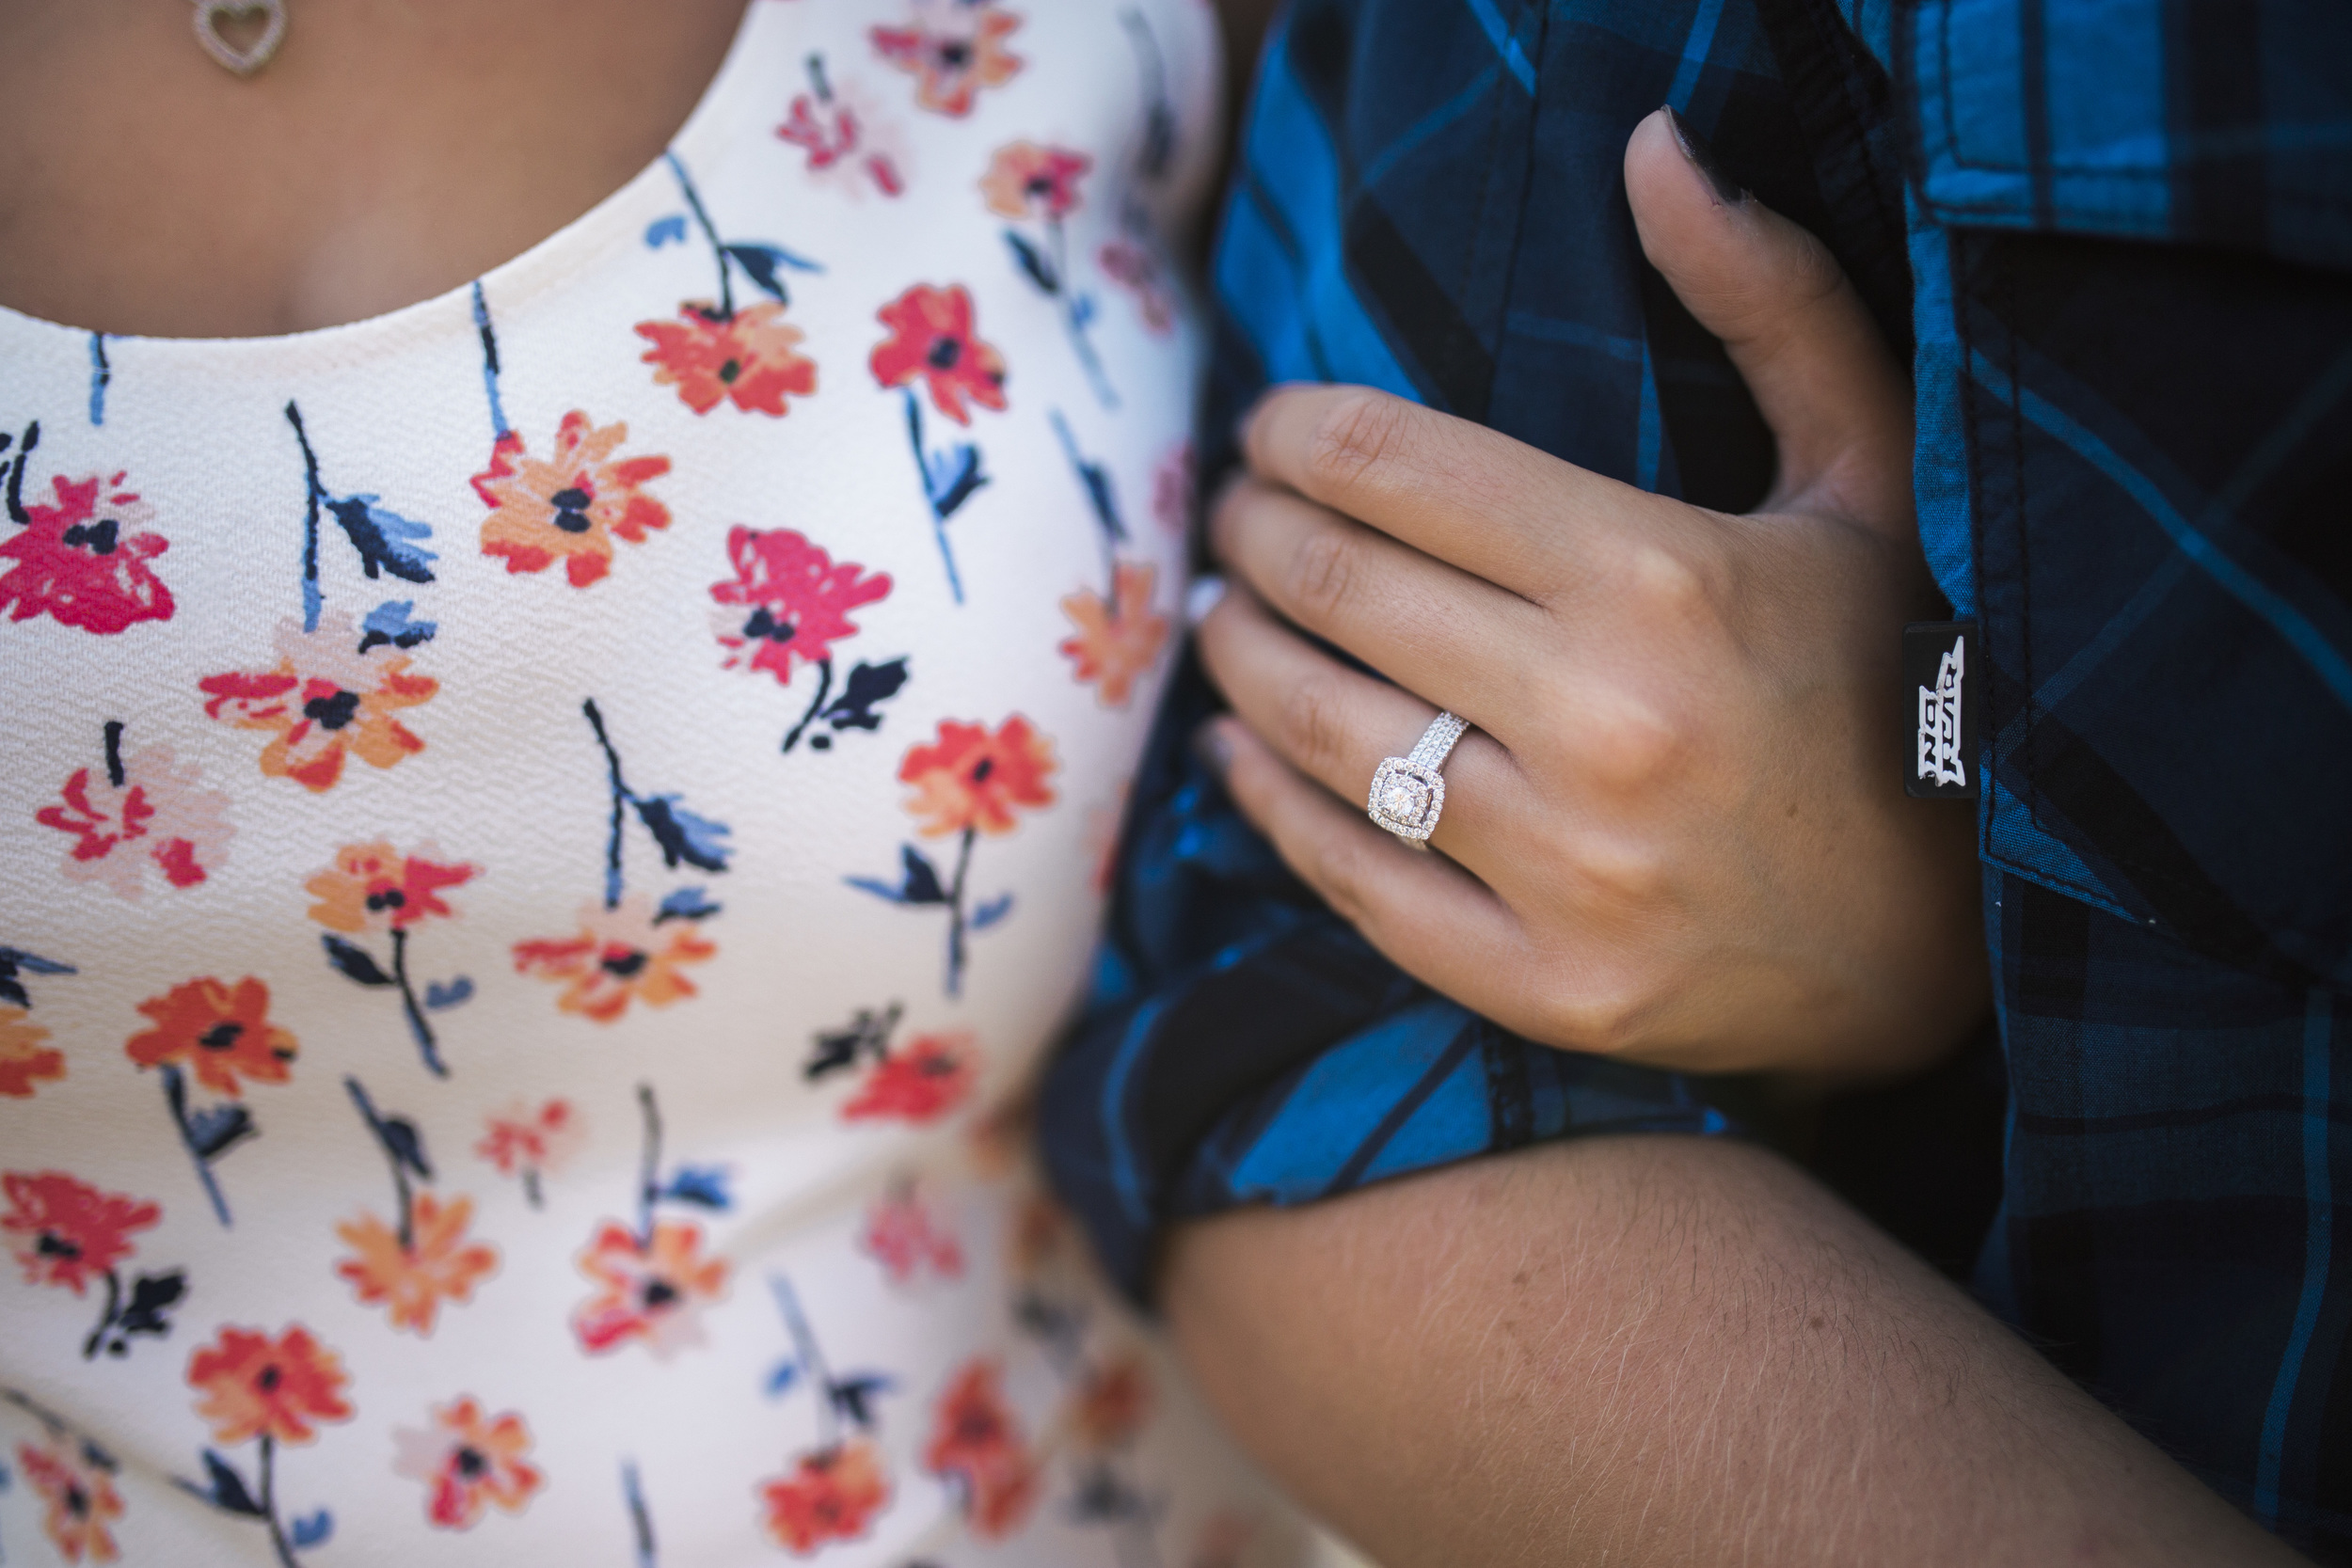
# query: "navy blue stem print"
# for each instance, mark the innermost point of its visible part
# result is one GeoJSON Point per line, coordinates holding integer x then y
{"type": "Point", "coordinates": [500, 428]}
{"type": "Point", "coordinates": [146, 1310]}
{"type": "Point", "coordinates": [14, 490]}
{"type": "Point", "coordinates": [227, 1490]}
{"type": "Point", "coordinates": [1101, 498]}
{"type": "Point", "coordinates": [920, 885]}
{"type": "Point", "coordinates": [867, 685]}
{"type": "Point", "coordinates": [208, 1133]}
{"type": "Point", "coordinates": [842, 1401]}
{"type": "Point", "coordinates": [683, 838]}
{"type": "Point", "coordinates": [695, 1186]}
{"type": "Point", "coordinates": [1048, 269]}
{"type": "Point", "coordinates": [950, 476]}
{"type": "Point", "coordinates": [758, 262]}
{"type": "Point", "coordinates": [865, 1037]}
{"type": "Point", "coordinates": [15, 963]}
{"type": "Point", "coordinates": [386, 542]}
{"type": "Point", "coordinates": [639, 1517]}
{"type": "Point", "coordinates": [356, 964]}
{"type": "Point", "coordinates": [404, 1151]}
{"type": "Point", "coordinates": [100, 374]}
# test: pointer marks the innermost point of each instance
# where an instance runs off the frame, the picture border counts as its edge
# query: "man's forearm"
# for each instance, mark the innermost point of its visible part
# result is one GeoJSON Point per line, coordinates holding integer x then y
{"type": "Point", "coordinates": [1652, 1351]}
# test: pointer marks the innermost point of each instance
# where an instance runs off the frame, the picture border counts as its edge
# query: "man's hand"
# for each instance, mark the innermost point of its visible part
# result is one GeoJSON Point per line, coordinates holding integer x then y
{"type": "Point", "coordinates": [1679, 832]}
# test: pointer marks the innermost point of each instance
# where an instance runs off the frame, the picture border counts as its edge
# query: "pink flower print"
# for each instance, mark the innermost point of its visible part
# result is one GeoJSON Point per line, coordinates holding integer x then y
{"type": "Point", "coordinates": [849, 142]}
{"type": "Point", "coordinates": [953, 48]}
{"type": "Point", "coordinates": [788, 600]}
{"type": "Point", "coordinates": [1134, 267]}
{"type": "Point", "coordinates": [533, 1143]}
{"type": "Point", "coordinates": [902, 1235]}
{"type": "Point", "coordinates": [324, 699]}
{"type": "Point", "coordinates": [152, 814]}
{"type": "Point", "coordinates": [1175, 487]}
{"type": "Point", "coordinates": [82, 559]}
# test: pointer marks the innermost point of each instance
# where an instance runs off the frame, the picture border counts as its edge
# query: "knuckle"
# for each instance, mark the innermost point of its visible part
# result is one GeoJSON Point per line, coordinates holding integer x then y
{"type": "Point", "coordinates": [1314, 730]}
{"type": "Point", "coordinates": [1359, 432]}
{"type": "Point", "coordinates": [1628, 743]}
{"type": "Point", "coordinates": [1680, 585]}
{"type": "Point", "coordinates": [1601, 1021]}
{"type": "Point", "coordinates": [1320, 575]}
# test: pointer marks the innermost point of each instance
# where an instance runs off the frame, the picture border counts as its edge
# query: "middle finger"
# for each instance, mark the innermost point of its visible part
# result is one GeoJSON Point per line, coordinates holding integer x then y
{"type": "Point", "coordinates": [1455, 638]}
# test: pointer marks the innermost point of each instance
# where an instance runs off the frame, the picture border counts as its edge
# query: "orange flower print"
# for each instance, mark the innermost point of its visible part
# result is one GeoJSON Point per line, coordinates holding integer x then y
{"type": "Point", "coordinates": [931, 337]}
{"type": "Point", "coordinates": [569, 507]}
{"type": "Point", "coordinates": [746, 359]}
{"type": "Point", "coordinates": [977, 1448]}
{"type": "Point", "coordinates": [1028, 181]}
{"type": "Point", "coordinates": [831, 1495]}
{"type": "Point", "coordinates": [1118, 639]}
{"type": "Point", "coordinates": [413, 1275]}
{"type": "Point", "coordinates": [1112, 1404]}
{"type": "Point", "coordinates": [652, 1291]}
{"type": "Point", "coordinates": [74, 1484]}
{"type": "Point", "coordinates": [919, 1082]}
{"type": "Point", "coordinates": [953, 48]}
{"type": "Point", "coordinates": [969, 779]}
{"type": "Point", "coordinates": [253, 1385]}
{"type": "Point", "coordinates": [322, 701]}
{"type": "Point", "coordinates": [141, 812]}
{"type": "Point", "coordinates": [219, 1033]}
{"type": "Point", "coordinates": [25, 1061]}
{"type": "Point", "coordinates": [469, 1462]}
{"type": "Point", "coordinates": [372, 887]}
{"type": "Point", "coordinates": [622, 954]}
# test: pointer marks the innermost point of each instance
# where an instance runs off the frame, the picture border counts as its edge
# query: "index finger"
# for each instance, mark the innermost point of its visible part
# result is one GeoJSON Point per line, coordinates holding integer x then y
{"type": "Point", "coordinates": [1478, 500]}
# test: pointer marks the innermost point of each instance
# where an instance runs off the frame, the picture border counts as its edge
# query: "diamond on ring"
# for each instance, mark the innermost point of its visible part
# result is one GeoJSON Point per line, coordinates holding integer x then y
{"type": "Point", "coordinates": [1408, 793]}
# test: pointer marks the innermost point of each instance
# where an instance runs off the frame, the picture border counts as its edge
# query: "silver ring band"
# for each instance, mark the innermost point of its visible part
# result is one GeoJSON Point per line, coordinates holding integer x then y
{"type": "Point", "coordinates": [1408, 792]}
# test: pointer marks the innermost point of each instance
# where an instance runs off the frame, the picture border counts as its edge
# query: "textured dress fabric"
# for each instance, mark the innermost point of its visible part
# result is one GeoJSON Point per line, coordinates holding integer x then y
{"type": "Point", "coordinates": [544, 835]}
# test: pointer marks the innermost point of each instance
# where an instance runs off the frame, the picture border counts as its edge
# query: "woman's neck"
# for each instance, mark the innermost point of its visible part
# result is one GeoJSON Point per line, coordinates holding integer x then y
{"type": "Point", "coordinates": [393, 150]}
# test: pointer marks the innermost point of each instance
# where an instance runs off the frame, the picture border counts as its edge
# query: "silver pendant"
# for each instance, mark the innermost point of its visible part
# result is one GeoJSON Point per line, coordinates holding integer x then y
{"type": "Point", "coordinates": [245, 61]}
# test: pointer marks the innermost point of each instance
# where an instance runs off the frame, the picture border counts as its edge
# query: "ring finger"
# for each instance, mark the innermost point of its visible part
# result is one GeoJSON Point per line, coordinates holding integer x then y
{"type": "Point", "coordinates": [1337, 725]}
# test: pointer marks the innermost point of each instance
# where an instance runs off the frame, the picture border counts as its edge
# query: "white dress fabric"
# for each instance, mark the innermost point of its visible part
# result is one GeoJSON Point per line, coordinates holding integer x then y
{"type": "Point", "coordinates": [545, 834]}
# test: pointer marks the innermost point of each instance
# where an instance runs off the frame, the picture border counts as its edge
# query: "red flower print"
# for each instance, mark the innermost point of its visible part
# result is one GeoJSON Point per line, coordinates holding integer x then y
{"type": "Point", "coordinates": [977, 1446]}
{"type": "Point", "coordinates": [901, 1237]}
{"type": "Point", "coordinates": [66, 1232]}
{"type": "Point", "coordinates": [1028, 181]}
{"type": "Point", "coordinates": [521, 1140]}
{"type": "Point", "coordinates": [622, 954]}
{"type": "Point", "coordinates": [322, 700]}
{"type": "Point", "coordinates": [23, 1060]}
{"type": "Point", "coordinates": [831, 1495]}
{"type": "Point", "coordinates": [159, 816]}
{"type": "Point", "coordinates": [711, 358]}
{"type": "Point", "coordinates": [81, 1497]}
{"type": "Point", "coordinates": [1134, 267]}
{"type": "Point", "coordinates": [571, 507]}
{"type": "Point", "coordinates": [931, 337]}
{"type": "Point", "coordinates": [220, 1033]}
{"type": "Point", "coordinates": [257, 1386]}
{"type": "Point", "coordinates": [372, 887]}
{"type": "Point", "coordinates": [469, 1462]}
{"type": "Point", "coordinates": [1118, 640]}
{"type": "Point", "coordinates": [653, 1291]}
{"type": "Point", "coordinates": [787, 600]}
{"type": "Point", "coordinates": [83, 560]}
{"type": "Point", "coordinates": [968, 778]}
{"type": "Point", "coordinates": [434, 1265]}
{"type": "Point", "coordinates": [954, 50]}
{"type": "Point", "coordinates": [1112, 1404]}
{"type": "Point", "coordinates": [920, 1082]}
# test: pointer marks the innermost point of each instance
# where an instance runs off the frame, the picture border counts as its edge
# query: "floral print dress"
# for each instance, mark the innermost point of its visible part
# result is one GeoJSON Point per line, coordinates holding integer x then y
{"type": "Point", "coordinates": [545, 834]}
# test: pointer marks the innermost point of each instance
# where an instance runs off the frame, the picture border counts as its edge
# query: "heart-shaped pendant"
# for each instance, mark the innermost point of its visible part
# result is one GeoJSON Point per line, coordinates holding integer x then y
{"type": "Point", "coordinates": [210, 14]}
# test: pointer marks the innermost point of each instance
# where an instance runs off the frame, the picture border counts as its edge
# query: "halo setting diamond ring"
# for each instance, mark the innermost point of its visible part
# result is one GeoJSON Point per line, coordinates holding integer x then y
{"type": "Point", "coordinates": [1407, 792]}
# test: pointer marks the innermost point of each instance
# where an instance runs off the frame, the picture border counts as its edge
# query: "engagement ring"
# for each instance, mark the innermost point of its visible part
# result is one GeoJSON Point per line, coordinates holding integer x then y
{"type": "Point", "coordinates": [1408, 792]}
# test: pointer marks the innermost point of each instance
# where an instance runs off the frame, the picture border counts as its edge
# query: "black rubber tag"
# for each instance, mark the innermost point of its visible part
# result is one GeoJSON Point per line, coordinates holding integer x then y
{"type": "Point", "coordinates": [1940, 674]}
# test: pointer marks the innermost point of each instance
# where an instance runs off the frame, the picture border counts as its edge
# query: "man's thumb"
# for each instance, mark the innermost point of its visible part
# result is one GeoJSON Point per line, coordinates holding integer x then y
{"type": "Point", "coordinates": [1838, 404]}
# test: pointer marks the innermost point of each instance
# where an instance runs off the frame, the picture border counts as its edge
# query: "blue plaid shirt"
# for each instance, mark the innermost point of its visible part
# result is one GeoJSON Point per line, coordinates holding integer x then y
{"type": "Point", "coordinates": [2113, 239]}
